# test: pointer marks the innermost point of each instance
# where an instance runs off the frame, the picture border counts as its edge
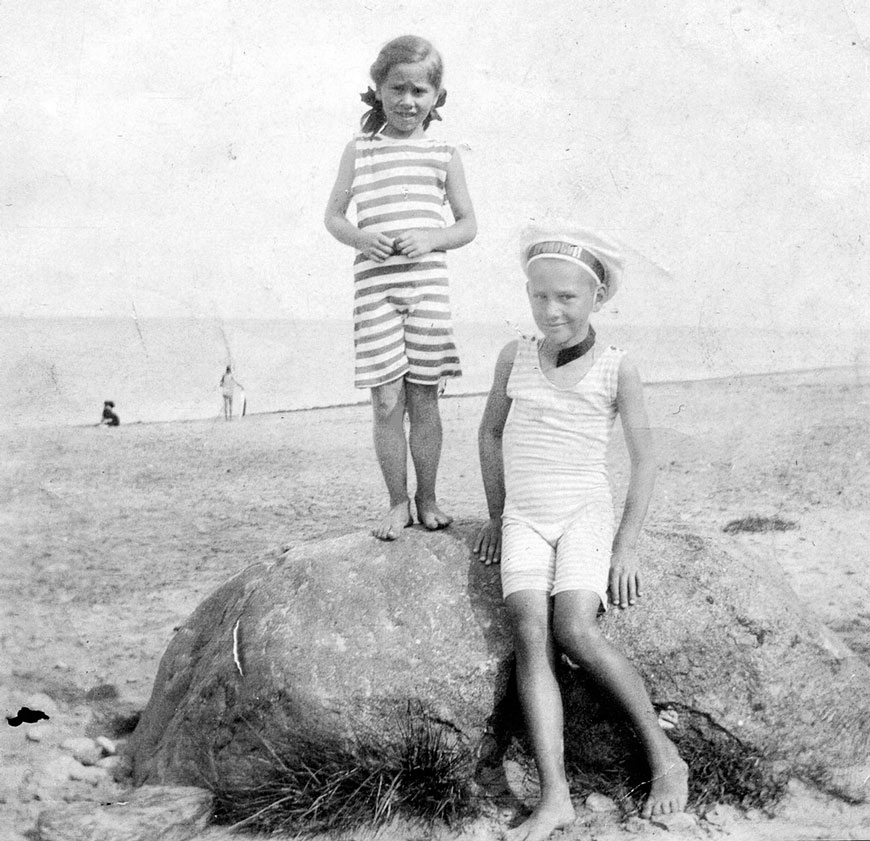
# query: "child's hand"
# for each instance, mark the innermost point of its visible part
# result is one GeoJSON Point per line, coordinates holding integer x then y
{"type": "Point", "coordinates": [487, 544]}
{"type": "Point", "coordinates": [415, 243]}
{"type": "Point", "coordinates": [624, 584]}
{"type": "Point", "coordinates": [376, 247]}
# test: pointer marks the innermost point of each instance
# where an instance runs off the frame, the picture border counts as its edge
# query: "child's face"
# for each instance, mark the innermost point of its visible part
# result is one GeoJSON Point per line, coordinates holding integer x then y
{"type": "Point", "coordinates": [407, 96]}
{"type": "Point", "coordinates": [562, 297]}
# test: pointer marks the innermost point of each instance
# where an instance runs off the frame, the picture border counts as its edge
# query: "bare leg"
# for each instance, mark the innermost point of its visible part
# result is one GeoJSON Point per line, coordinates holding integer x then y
{"type": "Point", "coordinates": [541, 702]}
{"type": "Point", "coordinates": [576, 632]}
{"type": "Point", "coordinates": [425, 441]}
{"type": "Point", "coordinates": [388, 408]}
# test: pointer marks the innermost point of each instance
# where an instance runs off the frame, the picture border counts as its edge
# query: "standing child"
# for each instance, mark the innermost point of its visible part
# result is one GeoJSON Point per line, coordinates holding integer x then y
{"type": "Point", "coordinates": [228, 389]}
{"type": "Point", "coordinates": [543, 442]}
{"type": "Point", "coordinates": [400, 180]}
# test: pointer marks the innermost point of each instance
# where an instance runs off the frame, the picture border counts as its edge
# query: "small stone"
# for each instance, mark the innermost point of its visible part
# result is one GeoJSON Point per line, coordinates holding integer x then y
{"type": "Point", "coordinates": [89, 774]}
{"type": "Point", "coordinates": [721, 815]}
{"type": "Point", "coordinates": [37, 733]}
{"type": "Point", "coordinates": [634, 824]}
{"type": "Point", "coordinates": [596, 802]}
{"type": "Point", "coordinates": [85, 750]}
{"type": "Point", "coordinates": [668, 719]}
{"type": "Point", "coordinates": [48, 780]}
{"type": "Point", "coordinates": [108, 746]}
{"type": "Point", "coordinates": [678, 822]}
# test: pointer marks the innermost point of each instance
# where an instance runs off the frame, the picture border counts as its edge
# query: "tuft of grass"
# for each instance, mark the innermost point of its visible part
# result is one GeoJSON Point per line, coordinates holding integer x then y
{"type": "Point", "coordinates": [722, 768]}
{"type": "Point", "coordinates": [311, 786]}
{"type": "Point", "coordinates": [759, 524]}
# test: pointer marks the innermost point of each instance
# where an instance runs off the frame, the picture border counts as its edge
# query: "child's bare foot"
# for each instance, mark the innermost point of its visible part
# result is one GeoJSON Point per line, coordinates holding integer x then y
{"type": "Point", "coordinates": [669, 788]}
{"type": "Point", "coordinates": [398, 518]}
{"type": "Point", "coordinates": [430, 515]}
{"type": "Point", "coordinates": [548, 816]}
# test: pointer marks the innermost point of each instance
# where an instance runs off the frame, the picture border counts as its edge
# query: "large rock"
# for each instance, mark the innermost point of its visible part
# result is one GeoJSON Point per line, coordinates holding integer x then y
{"type": "Point", "coordinates": [338, 639]}
{"type": "Point", "coordinates": [334, 640]}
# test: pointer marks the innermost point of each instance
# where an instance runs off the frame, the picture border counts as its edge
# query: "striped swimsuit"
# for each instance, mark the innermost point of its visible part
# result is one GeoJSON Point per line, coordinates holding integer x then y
{"type": "Point", "coordinates": [402, 324]}
{"type": "Point", "coordinates": [558, 514]}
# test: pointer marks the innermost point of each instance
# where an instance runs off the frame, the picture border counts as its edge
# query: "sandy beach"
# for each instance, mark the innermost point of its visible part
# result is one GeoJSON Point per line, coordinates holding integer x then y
{"type": "Point", "coordinates": [113, 537]}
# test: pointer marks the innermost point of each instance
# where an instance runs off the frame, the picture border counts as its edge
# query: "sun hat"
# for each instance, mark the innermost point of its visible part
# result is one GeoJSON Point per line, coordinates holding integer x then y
{"type": "Point", "coordinates": [599, 255]}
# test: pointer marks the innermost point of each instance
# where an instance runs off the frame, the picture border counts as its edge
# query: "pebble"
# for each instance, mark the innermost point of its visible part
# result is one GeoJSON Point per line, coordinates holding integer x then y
{"type": "Point", "coordinates": [108, 746]}
{"type": "Point", "coordinates": [37, 732]}
{"type": "Point", "coordinates": [678, 822]}
{"type": "Point", "coordinates": [721, 815]}
{"type": "Point", "coordinates": [89, 774]}
{"type": "Point", "coordinates": [636, 825]}
{"type": "Point", "coordinates": [85, 750]}
{"type": "Point", "coordinates": [110, 763]}
{"type": "Point", "coordinates": [54, 772]}
{"type": "Point", "coordinates": [596, 802]}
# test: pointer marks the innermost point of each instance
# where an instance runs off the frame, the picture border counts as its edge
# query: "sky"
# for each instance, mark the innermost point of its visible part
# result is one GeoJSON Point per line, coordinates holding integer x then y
{"type": "Point", "coordinates": [174, 159]}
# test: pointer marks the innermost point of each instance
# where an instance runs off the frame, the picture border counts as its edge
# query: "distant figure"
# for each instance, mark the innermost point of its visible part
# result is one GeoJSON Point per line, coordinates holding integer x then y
{"type": "Point", "coordinates": [228, 387]}
{"type": "Point", "coordinates": [109, 416]}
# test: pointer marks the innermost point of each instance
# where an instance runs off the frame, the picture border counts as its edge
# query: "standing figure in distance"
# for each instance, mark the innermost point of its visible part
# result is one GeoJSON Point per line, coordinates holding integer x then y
{"type": "Point", "coordinates": [400, 180]}
{"type": "Point", "coordinates": [543, 452]}
{"type": "Point", "coordinates": [228, 387]}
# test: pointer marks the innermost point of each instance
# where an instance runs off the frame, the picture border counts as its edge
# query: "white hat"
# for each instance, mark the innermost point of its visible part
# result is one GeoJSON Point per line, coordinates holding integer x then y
{"type": "Point", "coordinates": [597, 254]}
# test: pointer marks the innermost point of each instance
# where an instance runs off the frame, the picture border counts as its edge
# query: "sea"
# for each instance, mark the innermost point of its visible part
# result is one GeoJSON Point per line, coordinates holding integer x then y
{"type": "Point", "coordinates": [58, 371]}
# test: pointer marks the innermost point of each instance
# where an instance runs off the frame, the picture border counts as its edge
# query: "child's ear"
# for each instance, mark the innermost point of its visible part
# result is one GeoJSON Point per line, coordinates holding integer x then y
{"type": "Point", "coordinates": [600, 292]}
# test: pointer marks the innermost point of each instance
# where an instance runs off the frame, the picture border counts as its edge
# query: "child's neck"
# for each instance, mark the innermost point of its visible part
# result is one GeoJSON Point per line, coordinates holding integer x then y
{"type": "Point", "coordinates": [389, 132]}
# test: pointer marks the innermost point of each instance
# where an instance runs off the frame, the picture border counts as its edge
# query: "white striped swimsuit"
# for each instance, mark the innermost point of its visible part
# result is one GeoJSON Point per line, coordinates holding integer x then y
{"type": "Point", "coordinates": [555, 463]}
{"type": "Point", "coordinates": [402, 325]}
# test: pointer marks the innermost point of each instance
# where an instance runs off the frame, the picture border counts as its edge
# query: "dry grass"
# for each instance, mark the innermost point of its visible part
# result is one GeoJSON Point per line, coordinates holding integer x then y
{"type": "Point", "coordinates": [722, 768]}
{"type": "Point", "coordinates": [305, 788]}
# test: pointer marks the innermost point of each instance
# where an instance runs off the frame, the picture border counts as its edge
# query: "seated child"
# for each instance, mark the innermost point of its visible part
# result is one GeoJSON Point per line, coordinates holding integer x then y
{"type": "Point", "coordinates": [543, 442]}
{"type": "Point", "coordinates": [109, 417]}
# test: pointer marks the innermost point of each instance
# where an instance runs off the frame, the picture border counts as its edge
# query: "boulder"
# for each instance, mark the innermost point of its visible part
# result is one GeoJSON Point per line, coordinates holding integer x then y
{"type": "Point", "coordinates": [339, 640]}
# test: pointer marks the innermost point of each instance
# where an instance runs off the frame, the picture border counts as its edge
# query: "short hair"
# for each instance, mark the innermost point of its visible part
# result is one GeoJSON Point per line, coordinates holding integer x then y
{"type": "Point", "coordinates": [407, 49]}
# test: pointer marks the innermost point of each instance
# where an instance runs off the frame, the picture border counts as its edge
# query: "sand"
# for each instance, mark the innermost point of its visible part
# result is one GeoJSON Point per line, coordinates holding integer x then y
{"type": "Point", "coordinates": [113, 536]}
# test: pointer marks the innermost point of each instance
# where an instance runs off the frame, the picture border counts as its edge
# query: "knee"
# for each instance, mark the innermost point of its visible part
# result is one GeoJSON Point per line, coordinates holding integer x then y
{"type": "Point", "coordinates": [531, 636]}
{"type": "Point", "coordinates": [581, 641]}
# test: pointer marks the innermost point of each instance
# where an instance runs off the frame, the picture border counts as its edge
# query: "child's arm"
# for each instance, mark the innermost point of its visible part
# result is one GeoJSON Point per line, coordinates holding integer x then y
{"type": "Point", "coordinates": [419, 241]}
{"type": "Point", "coordinates": [374, 246]}
{"type": "Point", "coordinates": [489, 437]}
{"type": "Point", "coordinates": [624, 572]}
